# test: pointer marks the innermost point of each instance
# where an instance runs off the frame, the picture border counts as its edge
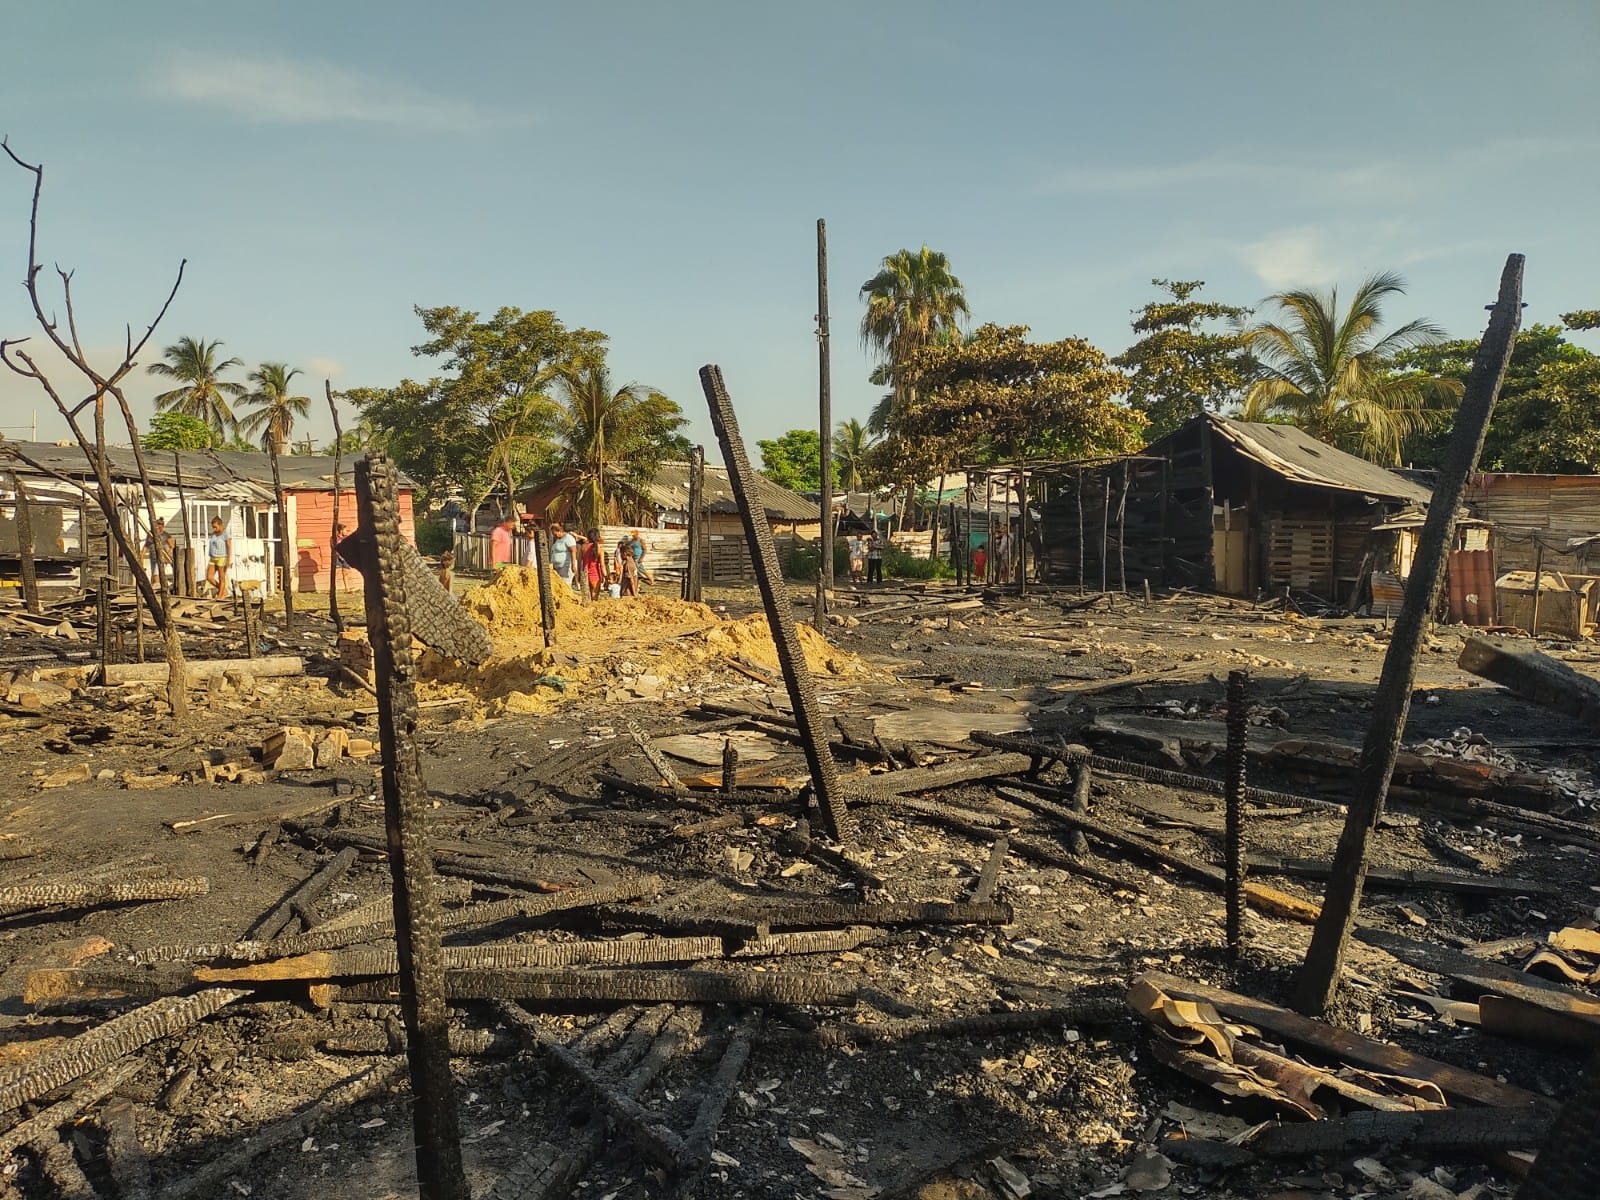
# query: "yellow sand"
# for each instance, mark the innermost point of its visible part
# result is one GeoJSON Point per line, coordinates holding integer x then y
{"type": "Point", "coordinates": [601, 645]}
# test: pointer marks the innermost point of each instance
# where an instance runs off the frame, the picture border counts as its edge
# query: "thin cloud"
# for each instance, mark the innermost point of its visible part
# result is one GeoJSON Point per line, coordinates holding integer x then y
{"type": "Point", "coordinates": [280, 91]}
{"type": "Point", "coordinates": [1290, 258]}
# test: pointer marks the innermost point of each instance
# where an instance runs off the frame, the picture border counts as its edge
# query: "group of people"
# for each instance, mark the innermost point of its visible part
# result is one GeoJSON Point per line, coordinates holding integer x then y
{"type": "Point", "coordinates": [581, 560]}
{"type": "Point", "coordinates": [866, 553]}
{"type": "Point", "coordinates": [161, 548]}
{"type": "Point", "coordinates": [1001, 562]}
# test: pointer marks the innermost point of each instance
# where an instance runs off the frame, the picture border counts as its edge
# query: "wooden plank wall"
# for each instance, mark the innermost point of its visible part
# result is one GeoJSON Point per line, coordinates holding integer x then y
{"type": "Point", "coordinates": [1529, 509]}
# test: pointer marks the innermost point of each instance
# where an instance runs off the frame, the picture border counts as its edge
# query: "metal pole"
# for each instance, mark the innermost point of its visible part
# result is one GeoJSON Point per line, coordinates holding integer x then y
{"type": "Point", "coordinates": [1233, 837]}
{"type": "Point", "coordinates": [825, 406]}
{"type": "Point", "coordinates": [417, 922]}
{"type": "Point", "coordinates": [1319, 979]}
{"type": "Point", "coordinates": [780, 614]}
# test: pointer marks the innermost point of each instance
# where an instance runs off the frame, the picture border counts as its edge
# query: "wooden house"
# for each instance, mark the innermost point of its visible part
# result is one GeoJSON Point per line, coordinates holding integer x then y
{"type": "Point", "coordinates": [1232, 506]}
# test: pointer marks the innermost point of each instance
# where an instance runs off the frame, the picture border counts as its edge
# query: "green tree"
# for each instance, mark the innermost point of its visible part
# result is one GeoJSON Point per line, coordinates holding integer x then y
{"type": "Point", "coordinates": [486, 424]}
{"type": "Point", "coordinates": [998, 396]}
{"type": "Point", "coordinates": [1330, 374]}
{"type": "Point", "coordinates": [851, 442]}
{"type": "Point", "coordinates": [1547, 418]}
{"type": "Point", "coordinates": [201, 390]}
{"type": "Point", "coordinates": [177, 431]}
{"type": "Point", "coordinates": [913, 301]}
{"type": "Point", "coordinates": [276, 409]}
{"type": "Point", "coordinates": [1181, 365]}
{"type": "Point", "coordinates": [793, 460]}
{"type": "Point", "coordinates": [1583, 318]}
{"type": "Point", "coordinates": [611, 440]}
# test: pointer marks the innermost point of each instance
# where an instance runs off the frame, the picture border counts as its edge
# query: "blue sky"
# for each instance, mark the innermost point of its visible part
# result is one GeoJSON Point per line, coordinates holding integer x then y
{"type": "Point", "coordinates": [655, 170]}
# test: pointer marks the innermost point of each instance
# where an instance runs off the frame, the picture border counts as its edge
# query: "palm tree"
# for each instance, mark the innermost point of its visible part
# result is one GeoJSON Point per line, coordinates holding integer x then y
{"type": "Point", "coordinates": [276, 410]}
{"type": "Point", "coordinates": [203, 392]}
{"type": "Point", "coordinates": [611, 439]}
{"type": "Point", "coordinates": [850, 442]}
{"type": "Point", "coordinates": [1332, 375]}
{"type": "Point", "coordinates": [911, 302]}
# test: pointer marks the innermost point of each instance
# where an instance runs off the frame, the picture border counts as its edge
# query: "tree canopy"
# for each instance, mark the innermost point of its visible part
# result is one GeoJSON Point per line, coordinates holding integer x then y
{"type": "Point", "coordinates": [1548, 416]}
{"type": "Point", "coordinates": [178, 431]}
{"type": "Point", "coordinates": [1330, 373]}
{"type": "Point", "coordinates": [997, 396]}
{"type": "Point", "coordinates": [276, 408]}
{"type": "Point", "coordinates": [201, 390]}
{"type": "Point", "coordinates": [610, 439]}
{"type": "Point", "coordinates": [1182, 365]}
{"type": "Point", "coordinates": [793, 460]}
{"type": "Point", "coordinates": [915, 299]}
{"type": "Point", "coordinates": [486, 424]}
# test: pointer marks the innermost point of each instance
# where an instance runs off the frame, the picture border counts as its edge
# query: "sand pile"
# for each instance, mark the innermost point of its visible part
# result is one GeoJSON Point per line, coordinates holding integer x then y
{"type": "Point", "coordinates": [647, 646]}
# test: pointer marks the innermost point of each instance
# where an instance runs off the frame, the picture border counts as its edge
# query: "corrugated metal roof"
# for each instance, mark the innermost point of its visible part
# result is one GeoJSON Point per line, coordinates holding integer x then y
{"type": "Point", "coordinates": [201, 468]}
{"type": "Point", "coordinates": [1297, 456]}
{"type": "Point", "coordinates": [670, 489]}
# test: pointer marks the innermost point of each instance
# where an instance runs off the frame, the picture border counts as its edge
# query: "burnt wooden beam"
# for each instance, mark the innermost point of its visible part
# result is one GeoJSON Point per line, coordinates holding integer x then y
{"type": "Point", "coordinates": [1319, 978]}
{"type": "Point", "coordinates": [1536, 678]}
{"type": "Point", "coordinates": [308, 893]}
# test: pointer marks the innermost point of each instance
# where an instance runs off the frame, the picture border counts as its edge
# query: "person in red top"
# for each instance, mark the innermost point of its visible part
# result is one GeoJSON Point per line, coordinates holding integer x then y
{"type": "Point", "coordinates": [593, 562]}
{"type": "Point", "coordinates": [500, 554]}
{"type": "Point", "coordinates": [980, 560]}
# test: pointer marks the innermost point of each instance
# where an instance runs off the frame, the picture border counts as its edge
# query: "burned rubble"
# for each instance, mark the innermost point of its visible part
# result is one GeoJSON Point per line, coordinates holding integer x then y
{"type": "Point", "coordinates": [986, 894]}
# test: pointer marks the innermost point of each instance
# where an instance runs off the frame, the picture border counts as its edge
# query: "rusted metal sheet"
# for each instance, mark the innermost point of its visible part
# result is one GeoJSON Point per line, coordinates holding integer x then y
{"type": "Point", "coordinates": [1471, 583]}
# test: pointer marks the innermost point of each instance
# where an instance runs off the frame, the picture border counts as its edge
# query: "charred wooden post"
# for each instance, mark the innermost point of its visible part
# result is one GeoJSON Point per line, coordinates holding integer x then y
{"type": "Point", "coordinates": [1568, 1165]}
{"type": "Point", "coordinates": [657, 760]}
{"type": "Point", "coordinates": [308, 893]}
{"type": "Point", "coordinates": [824, 417]}
{"type": "Point", "coordinates": [103, 1045]}
{"type": "Point", "coordinates": [1233, 837]}
{"type": "Point", "coordinates": [695, 566]}
{"type": "Point", "coordinates": [547, 594]}
{"type": "Point", "coordinates": [405, 800]}
{"type": "Point", "coordinates": [333, 537]}
{"type": "Point", "coordinates": [285, 562]}
{"type": "Point", "coordinates": [59, 1113]}
{"type": "Point", "coordinates": [183, 568]}
{"type": "Point", "coordinates": [1082, 778]}
{"type": "Point", "coordinates": [780, 615]}
{"type": "Point", "coordinates": [1319, 979]}
{"type": "Point", "coordinates": [714, 1102]}
{"type": "Point", "coordinates": [249, 625]}
{"type": "Point", "coordinates": [1538, 581]}
{"type": "Point", "coordinates": [730, 769]}
{"type": "Point", "coordinates": [25, 563]}
{"type": "Point", "coordinates": [138, 625]}
{"type": "Point", "coordinates": [983, 889]}
{"type": "Point", "coordinates": [103, 623]}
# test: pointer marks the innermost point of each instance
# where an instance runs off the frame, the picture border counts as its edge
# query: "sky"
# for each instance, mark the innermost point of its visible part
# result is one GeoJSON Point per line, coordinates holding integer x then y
{"type": "Point", "coordinates": [655, 171]}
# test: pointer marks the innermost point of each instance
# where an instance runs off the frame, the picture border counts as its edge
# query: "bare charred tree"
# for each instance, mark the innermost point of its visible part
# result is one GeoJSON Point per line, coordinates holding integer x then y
{"type": "Point", "coordinates": [100, 386]}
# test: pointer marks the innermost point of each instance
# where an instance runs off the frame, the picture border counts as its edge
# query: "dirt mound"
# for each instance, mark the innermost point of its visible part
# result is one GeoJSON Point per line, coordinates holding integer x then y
{"type": "Point", "coordinates": [648, 646]}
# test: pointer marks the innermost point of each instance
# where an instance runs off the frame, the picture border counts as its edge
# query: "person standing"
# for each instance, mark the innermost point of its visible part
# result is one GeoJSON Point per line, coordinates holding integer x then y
{"type": "Point", "coordinates": [159, 546]}
{"type": "Point", "coordinates": [500, 553]}
{"type": "Point", "coordinates": [1002, 555]}
{"type": "Point", "coordinates": [857, 550]}
{"type": "Point", "coordinates": [563, 552]}
{"type": "Point", "coordinates": [875, 559]}
{"type": "Point", "coordinates": [594, 564]}
{"type": "Point", "coordinates": [980, 560]}
{"type": "Point", "coordinates": [640, 548]}
{"type": "Point", "coordinates": [219, 557]}
{"type": "Point", "coordinates": [627, 567]}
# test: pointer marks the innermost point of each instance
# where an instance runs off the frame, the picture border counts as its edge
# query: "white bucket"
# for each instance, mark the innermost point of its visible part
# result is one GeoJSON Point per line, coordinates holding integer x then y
{"type": "Point", "coordinates": [615, 589]}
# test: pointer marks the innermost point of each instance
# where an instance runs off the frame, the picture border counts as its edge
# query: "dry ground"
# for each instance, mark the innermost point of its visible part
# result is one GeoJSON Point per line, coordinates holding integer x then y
{"type": "Point", "coordinates": [1068, 1108]}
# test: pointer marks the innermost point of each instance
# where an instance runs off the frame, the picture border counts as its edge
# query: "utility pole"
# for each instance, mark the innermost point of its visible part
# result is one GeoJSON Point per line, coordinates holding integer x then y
{"type": "Point", "coordinates": [825, 405]}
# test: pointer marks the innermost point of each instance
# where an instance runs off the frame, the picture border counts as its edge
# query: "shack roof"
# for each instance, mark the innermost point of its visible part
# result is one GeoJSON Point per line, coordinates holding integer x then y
{"type": "Point", "coordinates": [670, 490]}
{"type": "Point", "coordinates": [202, 468]}
{"type": "Point", "coordinates": [1296, 456]}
